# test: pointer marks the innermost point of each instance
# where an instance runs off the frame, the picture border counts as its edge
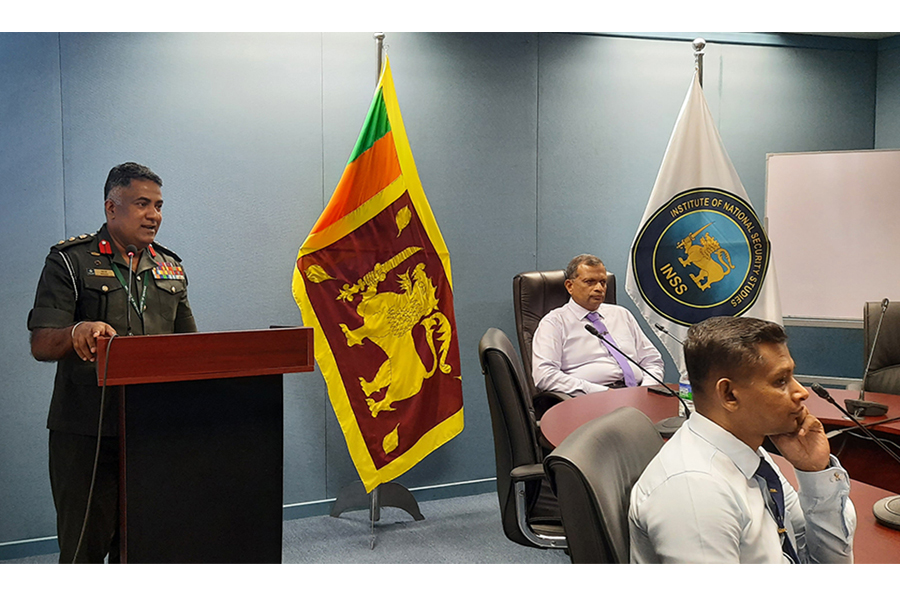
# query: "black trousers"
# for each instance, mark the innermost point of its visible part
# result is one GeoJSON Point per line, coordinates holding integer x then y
{"type": "Point", "coordinates": [71, 467]}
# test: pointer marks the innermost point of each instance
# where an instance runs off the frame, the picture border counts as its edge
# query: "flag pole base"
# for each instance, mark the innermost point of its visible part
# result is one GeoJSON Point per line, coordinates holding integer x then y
{"type": "Point", "coordinates": [354, 497]}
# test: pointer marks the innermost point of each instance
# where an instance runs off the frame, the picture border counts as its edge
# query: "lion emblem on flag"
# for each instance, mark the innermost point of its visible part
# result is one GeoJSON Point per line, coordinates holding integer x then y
{"type": "Point", "coordinates": [389, 319]}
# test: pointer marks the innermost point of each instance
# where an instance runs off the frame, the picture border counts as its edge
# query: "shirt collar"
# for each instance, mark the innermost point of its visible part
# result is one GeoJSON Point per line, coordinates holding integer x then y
{"type": "Point", "coordinates": [579, 311]}
{"type": "Point", "coordinates": [744, 457]}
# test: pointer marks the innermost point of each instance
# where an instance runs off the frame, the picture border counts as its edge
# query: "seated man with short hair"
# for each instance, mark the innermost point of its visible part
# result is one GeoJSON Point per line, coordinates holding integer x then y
{"type": "Point", "coordinates": [713, 494]}
{"type": "Point", "coordinates": [566, 358]}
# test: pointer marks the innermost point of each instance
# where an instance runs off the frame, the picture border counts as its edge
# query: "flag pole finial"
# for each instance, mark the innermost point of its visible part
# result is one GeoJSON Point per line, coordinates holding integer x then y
{"type": "Point", "coordinates": [698, 45]}
{"type": "Point", "coordinates": [379, 53]}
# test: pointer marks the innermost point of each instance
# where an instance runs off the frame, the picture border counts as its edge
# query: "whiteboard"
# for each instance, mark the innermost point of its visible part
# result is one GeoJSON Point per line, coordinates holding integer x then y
{"type": "Point", "coordinates": [834, 223]}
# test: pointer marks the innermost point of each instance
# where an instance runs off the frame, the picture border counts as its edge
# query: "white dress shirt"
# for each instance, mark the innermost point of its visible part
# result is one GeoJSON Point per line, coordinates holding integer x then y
{"type": "Point", "coordinates": [566, 358]}
{"type": "Point", "coordinates": [699, 501]}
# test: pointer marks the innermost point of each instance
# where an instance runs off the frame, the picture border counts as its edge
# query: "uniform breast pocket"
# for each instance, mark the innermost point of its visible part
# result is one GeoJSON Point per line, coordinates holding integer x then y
{"type": "Point", "coordinates": [169, 293]}
{"type": "Point", "coordinates": [102, 299]}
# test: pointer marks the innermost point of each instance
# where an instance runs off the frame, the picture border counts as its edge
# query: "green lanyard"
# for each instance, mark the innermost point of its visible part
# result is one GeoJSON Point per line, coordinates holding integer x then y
{"type": "Point", "coordinates": [139, 309]}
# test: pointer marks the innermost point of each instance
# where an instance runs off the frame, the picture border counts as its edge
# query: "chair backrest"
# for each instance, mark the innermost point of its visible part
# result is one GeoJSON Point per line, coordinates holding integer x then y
{"type": "Point", "coordinates": [592, 472]}
{"type": "Point", "coordinates": [884, 373]}
{"type": "Point", "coordinates": [515, 444]}
{"type": "Point", "coordinates": [535, 293]}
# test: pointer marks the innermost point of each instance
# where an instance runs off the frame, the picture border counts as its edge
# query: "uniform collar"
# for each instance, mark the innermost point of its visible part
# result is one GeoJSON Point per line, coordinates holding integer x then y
{"type": "Point", "coordinates": [744, 457]}
{"type": "Point", "coordinates": [144, 263]}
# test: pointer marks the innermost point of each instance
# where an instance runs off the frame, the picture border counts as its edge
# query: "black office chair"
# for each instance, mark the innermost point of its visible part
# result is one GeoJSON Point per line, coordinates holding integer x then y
{"type": "Point", "coordinates": [592, 473]}
{"type": "Point", "coordinates": [528, 509]}
{"type": "Point", "coordinates": [535, 293]}
{"type": "Point", "coordinates": [884, 372]}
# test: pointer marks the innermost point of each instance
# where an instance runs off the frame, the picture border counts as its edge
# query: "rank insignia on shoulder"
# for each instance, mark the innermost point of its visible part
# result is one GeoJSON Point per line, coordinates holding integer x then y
{"type": "Point", "coordinates": [100, 273]}
{"type": "Point", "coordinates": [168, 271]}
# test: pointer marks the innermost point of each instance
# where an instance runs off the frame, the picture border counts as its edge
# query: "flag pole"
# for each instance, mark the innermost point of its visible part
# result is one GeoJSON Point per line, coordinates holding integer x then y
{"type": "Point", "coordinates": [699, 44]}
{"type": "Point", "coordinates": [391, 493]}
{"type": "Point", "coordinates": [379, 53]}
{"type": "Point", "coordinates": [374, 499]}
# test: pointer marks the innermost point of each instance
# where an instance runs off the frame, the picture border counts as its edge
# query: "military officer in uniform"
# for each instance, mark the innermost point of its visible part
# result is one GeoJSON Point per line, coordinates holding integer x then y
{"type": "Point", "coordinates": [82, 295]}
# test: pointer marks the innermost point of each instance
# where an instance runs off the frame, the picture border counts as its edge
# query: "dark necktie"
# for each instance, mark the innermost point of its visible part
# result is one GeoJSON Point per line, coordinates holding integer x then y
{"type": "Point", "coordinates": [594, 318]}
{"type": "Point", "coordinates": [776, 506]}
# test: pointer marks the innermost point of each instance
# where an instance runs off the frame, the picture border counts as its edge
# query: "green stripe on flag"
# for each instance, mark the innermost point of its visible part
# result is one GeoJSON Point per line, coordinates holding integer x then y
{"type": "Point", "coordinates": [376, 125]}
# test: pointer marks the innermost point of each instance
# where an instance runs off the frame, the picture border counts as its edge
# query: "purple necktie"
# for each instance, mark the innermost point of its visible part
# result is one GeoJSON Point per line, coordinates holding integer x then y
{"type": "Point", "coordinates": [620, 359]}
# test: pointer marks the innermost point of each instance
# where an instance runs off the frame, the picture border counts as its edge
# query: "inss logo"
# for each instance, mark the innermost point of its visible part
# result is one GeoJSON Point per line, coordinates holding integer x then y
{"type": "Point", "coordinates": [702, 254]}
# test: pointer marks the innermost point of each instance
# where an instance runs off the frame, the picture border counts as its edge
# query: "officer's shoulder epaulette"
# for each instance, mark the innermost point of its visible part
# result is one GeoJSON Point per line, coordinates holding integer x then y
{"type": "Point", "coordinates": [73, 241]}
{"type": "Point", "coordinates": [160, 248]}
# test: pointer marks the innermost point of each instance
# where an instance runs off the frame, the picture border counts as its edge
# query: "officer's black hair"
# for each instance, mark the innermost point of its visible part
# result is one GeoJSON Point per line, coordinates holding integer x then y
{"type": "Point", "coordinates": [121, 176]}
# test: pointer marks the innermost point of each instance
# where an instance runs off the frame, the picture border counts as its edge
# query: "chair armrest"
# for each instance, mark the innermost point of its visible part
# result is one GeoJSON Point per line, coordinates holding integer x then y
{"type": "Point", "coordinates": [527, 472]}
{"type": "Point", "coordinates": [544, 400]}
{"type": "Point", "coordinates": [542, 403]}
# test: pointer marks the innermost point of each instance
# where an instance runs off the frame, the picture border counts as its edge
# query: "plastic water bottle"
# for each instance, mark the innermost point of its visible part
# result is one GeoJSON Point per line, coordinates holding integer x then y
{"type": "Point", "coordinates": [684, 392]}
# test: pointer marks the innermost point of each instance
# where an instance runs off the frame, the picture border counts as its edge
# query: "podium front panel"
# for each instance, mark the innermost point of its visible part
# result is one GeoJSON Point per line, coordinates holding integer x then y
{"type": "Point", "coordinates": [201, 471]}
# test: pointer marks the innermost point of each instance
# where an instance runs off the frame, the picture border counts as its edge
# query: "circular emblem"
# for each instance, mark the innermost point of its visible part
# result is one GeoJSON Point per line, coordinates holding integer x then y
{"type": "Point", "coordinates": [702, 254]}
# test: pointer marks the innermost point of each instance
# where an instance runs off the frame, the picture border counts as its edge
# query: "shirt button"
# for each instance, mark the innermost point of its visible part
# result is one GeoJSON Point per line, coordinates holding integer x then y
{"type": "Point", "coordinates": [105, 288]}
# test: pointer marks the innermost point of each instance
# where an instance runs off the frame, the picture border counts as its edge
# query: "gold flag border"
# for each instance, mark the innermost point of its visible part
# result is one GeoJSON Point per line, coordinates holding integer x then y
{"type": "Point", "coordinates": [408, 181]}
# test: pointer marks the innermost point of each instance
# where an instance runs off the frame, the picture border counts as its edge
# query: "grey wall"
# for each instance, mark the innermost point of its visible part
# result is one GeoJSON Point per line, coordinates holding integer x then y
{"type": "Point", "coordinates": [531, 148]}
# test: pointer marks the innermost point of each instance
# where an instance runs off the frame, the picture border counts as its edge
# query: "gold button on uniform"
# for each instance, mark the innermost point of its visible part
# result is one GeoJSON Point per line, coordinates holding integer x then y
{"type": "Point", "coordinates": [105, 288]}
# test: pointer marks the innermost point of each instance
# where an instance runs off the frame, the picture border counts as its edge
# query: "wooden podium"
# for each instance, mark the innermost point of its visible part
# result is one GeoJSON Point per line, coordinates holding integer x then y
{"type": "Point", "coordinates": [201, 442]}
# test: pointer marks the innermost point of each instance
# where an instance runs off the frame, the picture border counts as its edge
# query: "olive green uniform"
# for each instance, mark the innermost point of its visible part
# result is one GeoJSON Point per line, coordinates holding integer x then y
{"type": "Point", "coordinates": [85, 279]}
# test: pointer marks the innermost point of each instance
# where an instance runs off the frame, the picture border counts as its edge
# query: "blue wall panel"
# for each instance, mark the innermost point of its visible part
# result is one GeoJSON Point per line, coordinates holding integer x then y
{"type": "Point", "coordinates": [828, 351]}
{"type": "Point", "coordinates": [31, 220]}
{"type": "Point", "coordinates": [887, 104]}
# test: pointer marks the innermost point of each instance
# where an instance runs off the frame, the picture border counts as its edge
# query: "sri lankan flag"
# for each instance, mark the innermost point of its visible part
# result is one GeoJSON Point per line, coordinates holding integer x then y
{"type": "Point", "coordinates": [373, 280]}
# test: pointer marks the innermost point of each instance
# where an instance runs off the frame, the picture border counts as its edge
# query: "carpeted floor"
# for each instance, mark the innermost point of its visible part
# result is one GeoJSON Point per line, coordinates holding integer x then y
{"type": "Point", "coordinates": [464, 530]}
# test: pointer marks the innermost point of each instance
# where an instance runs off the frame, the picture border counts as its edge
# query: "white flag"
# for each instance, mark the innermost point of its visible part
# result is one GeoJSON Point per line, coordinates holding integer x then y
{"type": "Point", "coordinates": [700, 250]}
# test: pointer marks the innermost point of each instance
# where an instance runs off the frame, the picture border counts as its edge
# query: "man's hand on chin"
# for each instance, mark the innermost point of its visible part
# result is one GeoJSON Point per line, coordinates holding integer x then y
{"type": "Point", "coordinates": [807, 447]}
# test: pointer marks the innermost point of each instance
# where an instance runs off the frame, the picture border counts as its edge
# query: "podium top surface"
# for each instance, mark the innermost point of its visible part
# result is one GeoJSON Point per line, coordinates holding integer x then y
{"type": "Point", "coordinates": [194, 356]}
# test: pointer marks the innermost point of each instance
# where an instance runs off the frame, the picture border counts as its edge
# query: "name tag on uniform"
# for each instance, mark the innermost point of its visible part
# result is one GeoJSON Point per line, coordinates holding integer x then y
{"type": "Point", "coordinates": [100, 273]}
{"type": "Point", "coordinates": [168, 271]}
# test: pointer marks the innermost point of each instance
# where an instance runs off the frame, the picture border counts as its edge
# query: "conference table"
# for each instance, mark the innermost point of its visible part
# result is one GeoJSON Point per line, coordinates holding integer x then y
{"type": "Point", "coordinates": [874, 475]}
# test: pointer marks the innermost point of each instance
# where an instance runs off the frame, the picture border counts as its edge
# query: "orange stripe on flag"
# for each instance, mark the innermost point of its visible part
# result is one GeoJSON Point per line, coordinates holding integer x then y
{"type": "Point", "coordinates": [373, 171]}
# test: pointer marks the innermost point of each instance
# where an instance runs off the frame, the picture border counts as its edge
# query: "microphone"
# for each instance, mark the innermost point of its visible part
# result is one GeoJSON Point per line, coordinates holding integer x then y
{"type": "Point", "coordinates": [666, 425]}
{"type": "Point", "coordinates": [886, 510]}
{"type": "Point", "coordinates": [666, 331]}
{"type": "Point", "coordinates": [837, 432]}
{"type": "Point", "coordinates": [823, 393]}
{"type": "Point", "coordinates": [130, 250]}
{"type": "Point", "coordinates": [862, 406]}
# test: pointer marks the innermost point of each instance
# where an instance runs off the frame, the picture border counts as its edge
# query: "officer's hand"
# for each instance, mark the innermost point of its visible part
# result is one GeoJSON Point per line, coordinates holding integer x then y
{"type": "Point", "coordinates": [84, 338]}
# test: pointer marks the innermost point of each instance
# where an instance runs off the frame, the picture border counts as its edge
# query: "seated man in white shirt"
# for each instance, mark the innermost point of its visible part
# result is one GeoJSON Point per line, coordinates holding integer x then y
{"type": "Point", "coordinates": [705, 497]}
{"type": "Point", "coordinates": [566, 358]}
